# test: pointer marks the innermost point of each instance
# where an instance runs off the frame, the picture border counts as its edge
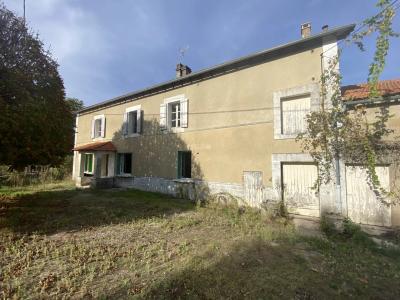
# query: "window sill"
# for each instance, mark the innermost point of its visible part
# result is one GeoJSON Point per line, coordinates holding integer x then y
{"type": "Point", "coordinates": [185, 180]}
{"type": "Point", "coordinates": [125, 175]}
{"type": "Point", "coordinates": [285, 136]}
{"type": "Point", "coordinates": [174, 130]}
{"type": "Point", "coordinates": [131, 135]}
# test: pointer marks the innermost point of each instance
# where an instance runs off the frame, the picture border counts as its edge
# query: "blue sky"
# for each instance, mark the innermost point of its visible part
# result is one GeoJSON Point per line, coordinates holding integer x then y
{"type": "Point", "coordinates": [106, 48]}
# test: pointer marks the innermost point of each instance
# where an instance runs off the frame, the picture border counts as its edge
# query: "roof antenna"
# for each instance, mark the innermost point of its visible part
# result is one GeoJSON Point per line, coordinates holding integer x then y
{"type": "Point", "coordinates": [182, 52]}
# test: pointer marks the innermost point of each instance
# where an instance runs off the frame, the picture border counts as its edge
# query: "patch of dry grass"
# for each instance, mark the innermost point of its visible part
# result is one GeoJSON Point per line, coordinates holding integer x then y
{"type": "Point", "coordinates": [131, 244]}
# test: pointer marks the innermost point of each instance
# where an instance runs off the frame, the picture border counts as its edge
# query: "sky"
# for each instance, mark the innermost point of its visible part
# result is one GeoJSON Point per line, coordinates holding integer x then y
{"type": "Point", "coordinates": [106, 48]}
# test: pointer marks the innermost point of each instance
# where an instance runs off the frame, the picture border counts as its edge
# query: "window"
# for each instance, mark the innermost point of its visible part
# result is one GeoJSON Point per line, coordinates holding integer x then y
{"type": "Point", "coordinates": [291, 106]}
{"type": "Point", "coordinates": [184, 164]}
{"type": "Point", "coordinates": [132, 121]}
{"type": "Point", "coordinates": [174, 113]}
{"type": "Point", "coordinates": [124, 163]}
{"type": "Point", "coordinates": [294, 112]}
{"type": "Point", "coordinates": [88, 163]}
{"type": "Point", "coordinates": [175, 118]}
{"type": "Point", "coordinates": [98, 127]}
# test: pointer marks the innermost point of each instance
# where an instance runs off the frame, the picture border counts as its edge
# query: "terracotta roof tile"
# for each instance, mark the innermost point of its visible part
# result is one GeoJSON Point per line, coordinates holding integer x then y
{"type": "Point", "coordinates": [361, 91]}
{"type": "Point", "coordinates": [97, 146]}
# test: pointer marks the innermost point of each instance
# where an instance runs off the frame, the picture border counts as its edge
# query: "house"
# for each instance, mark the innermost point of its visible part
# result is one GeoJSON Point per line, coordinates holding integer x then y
{"type": "Point", "coordinates": [228, 130]}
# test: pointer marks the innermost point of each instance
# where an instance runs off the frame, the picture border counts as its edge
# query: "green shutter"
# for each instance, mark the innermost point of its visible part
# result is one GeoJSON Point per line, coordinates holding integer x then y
{"type": "Point", "coordinates": [90, 163]}
{"type": "Point", "coordinates": [179, 169]}
{"type": "Point", "coordinates": [118, 163]}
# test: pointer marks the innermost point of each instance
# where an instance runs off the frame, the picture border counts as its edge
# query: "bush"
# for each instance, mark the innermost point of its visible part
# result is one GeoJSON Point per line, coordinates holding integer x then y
{"type": "Point", "coordinates": [40, 174]}
{"type": "Point", "coordinates": [327, 226]}
{"type": "Point", "coordinates": [275, 209]}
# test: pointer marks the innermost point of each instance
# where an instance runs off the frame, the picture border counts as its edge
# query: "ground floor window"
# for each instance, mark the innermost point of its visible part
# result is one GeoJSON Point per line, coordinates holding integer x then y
{"type": "Point", "coordinates": [184, 164]}
{"type": "Point", "coordinates": [124, 163]}
{"type": "Point", "coordinates": [88, 166]}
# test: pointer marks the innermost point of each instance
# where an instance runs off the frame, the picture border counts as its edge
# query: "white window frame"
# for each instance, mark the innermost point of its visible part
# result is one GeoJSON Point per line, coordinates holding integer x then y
{"type": "Point", "coordinates": [102, 126]}
{"type": "Point", "coordinates": [168, 102]}
{"type": "Point", "coordinates": [177, 104]}
{"type": "Point", "coordinates": [310, 89]}
{"type": "Point", "coordinates": [138, 109]}
{"type": "Point", "coordinates": [84, 163]}
{"type": "Point", "coordinates": [286, 100]}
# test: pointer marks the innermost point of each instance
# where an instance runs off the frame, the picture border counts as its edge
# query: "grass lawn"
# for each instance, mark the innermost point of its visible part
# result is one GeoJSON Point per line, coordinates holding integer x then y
{"type": "Point", "coordinates": [59, 242]}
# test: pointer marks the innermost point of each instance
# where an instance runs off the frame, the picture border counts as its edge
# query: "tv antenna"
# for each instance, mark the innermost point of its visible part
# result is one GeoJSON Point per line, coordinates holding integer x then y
{"type": "Point", "coordinates": [182, 52]}
{"type": "Point", "coordinates": [24, 12]}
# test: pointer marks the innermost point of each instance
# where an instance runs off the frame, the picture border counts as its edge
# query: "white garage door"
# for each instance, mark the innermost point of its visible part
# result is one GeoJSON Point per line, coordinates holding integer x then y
{"type": "Point", "coordinates": [298, 180]}
{"type": "Point", "coordinates": [362, 204]}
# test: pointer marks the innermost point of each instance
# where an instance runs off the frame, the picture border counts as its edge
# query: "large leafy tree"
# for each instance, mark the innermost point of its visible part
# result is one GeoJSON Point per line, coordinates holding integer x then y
{"type": "Point", "coordinates": [36, 121]}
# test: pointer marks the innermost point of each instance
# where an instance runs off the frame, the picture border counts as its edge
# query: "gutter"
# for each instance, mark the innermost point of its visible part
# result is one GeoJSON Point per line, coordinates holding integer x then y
{"type": "Point", "coordinates": [372, 101]}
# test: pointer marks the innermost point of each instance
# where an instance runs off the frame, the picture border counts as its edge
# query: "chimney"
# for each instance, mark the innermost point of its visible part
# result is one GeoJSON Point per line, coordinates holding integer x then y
{"type": "Point", "coordinates": [182, 70]}
{"type": "Point", "coordinates": [305, 30]}
{"type": "Point", "coordinates": [325, 28]}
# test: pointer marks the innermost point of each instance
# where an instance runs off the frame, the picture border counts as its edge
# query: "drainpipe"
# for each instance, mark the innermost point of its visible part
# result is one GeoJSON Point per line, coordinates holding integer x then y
{"type": "Point", "coordinates": [338, 182]}
{"type": "Point", "coordinates": [76, 155]}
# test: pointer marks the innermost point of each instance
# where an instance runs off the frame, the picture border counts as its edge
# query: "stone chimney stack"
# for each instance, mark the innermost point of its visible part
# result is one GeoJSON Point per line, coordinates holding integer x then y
{"type": "Point", "coordinates": [306, 30]}
{"type": "Point", "coordinates": [182, 70]}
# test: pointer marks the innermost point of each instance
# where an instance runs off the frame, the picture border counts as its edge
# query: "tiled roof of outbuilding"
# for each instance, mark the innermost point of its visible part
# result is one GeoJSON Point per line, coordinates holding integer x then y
{"type": "Point", "coordinates": [361, 91]}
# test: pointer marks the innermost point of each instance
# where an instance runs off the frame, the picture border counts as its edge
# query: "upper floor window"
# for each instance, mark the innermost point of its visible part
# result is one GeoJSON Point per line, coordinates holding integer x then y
{"type": "Point", "coordinates": [174, 113]}
{"type": "Point", "coordinates": [175, 109]}
{"type": "Point", "coordinates": [132, 121]}
{"type": "Point", "coordinates": [98, 127]}
{"type": "Point", "coordinates": [293, 114]}
{"type": "Point", "coordinates": [291, 107]}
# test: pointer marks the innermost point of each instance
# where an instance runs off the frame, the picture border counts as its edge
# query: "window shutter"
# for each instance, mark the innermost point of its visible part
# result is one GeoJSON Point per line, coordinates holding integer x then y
{"type": "Point", "coordinates": [139, 121]}
{"type": "Point", "coordinates": [118, 164]}
{"type": "Point", "coordinates": [125, 125]}
{"type": "Point", "coordinates": [103, 127]}
{"type": "Point", "coordinates": [163, 116]}
{"type": "Point", "coordinates": [92, 132]}
{"type": "Point", "coordinates": [184, 113]}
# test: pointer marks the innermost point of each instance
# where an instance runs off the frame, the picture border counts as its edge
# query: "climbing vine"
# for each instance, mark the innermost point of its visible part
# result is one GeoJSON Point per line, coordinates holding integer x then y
{"type": "Point", "coordinates": [355, 134]}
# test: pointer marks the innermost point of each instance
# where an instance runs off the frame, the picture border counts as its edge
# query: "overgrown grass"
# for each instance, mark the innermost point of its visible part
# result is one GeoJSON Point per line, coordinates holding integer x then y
{"type": "Point", "coordinates": [68, 243]}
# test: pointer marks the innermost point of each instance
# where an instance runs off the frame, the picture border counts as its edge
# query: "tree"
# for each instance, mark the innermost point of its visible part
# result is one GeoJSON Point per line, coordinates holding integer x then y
{"type": "Point", "coordinates": [335, 133]}
{"type": "Point", "coordinates": [74, 104]}
{"type": "Point", "coordinates": [35, 120]}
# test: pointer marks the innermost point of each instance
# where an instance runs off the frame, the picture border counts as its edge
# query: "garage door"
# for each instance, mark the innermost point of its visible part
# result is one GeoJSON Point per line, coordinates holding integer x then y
{"type": "Point", "coordinates": [298, 180]}
{"type": "Point", "coordinates": [362, 204]}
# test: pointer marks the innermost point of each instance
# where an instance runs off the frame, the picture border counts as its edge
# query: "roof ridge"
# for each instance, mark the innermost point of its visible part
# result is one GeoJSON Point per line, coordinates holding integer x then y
{"type": "Point", "coordinates": [340, 32]}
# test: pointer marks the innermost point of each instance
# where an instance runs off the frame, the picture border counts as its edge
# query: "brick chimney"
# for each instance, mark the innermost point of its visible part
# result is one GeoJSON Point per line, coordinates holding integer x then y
{"type": "Point", "coordinates": [182, 70]}
{"type": "Point", "coordinates": [305, 30]}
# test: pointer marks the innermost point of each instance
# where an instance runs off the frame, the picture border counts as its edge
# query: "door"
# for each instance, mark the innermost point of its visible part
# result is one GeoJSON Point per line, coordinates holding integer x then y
{"type": "Point", "coordinates": [253, 188]}
{"type": "Point", "coordinates": [363, 206]}
{"type": "Point", "coordinates": [298, 194]}
{"type": "Point", "coordinates": [184, 164]}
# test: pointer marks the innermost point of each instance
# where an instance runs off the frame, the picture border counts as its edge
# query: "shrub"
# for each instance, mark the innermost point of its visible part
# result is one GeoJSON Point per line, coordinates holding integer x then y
{"type": "Point", "coordinates": [42, 174]}
{"type": "Point", "coordinates": [327, 226]}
